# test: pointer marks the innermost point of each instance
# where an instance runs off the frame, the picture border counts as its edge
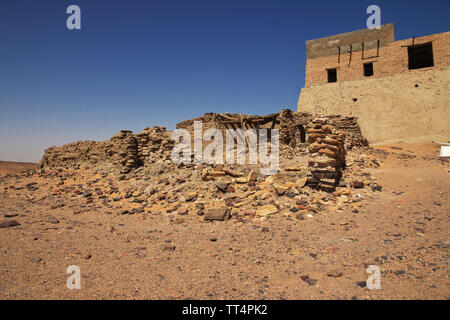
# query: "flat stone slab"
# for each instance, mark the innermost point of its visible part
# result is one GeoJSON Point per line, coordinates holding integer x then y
{"type": "Point", "coordinates": [216, 214]}
{"type": "Point", "coordinates": [266, 210]}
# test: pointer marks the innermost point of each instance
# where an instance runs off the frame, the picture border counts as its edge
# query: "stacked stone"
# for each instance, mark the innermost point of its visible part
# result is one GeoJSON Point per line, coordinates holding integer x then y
{"type": "Point", "coordinates": [143, 147]}
{"type": "Point", "coordinates": [326, 155]}
{"type": "Point", "coordinates": [127, 146]}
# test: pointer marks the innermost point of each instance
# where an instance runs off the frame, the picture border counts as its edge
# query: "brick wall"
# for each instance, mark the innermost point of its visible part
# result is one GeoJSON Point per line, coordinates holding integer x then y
{"type": "Point", "coordinates": [392, 59]}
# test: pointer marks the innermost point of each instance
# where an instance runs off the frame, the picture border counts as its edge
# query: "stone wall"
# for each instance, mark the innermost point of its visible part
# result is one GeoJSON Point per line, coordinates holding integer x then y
{"type": "Point", "coordinates": [292, 126]}
{"type": "Point", "coordinates": [325, 138]}
{"type": "Point", "coordinates": [326, 154]}
{"type": "Point", "coordinates": [124, 150]}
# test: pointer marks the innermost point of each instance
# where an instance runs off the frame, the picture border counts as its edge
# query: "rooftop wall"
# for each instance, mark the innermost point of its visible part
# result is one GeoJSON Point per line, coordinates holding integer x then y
{"type": "Point", "coordinates": [329, 46]}
{"type": "Point", "coordinates": [389, 59]}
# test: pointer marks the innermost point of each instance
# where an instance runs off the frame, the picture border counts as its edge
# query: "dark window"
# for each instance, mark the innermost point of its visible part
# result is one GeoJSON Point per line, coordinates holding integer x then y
{"type": "Point", "coordinates": [420, 56]}
{"type": "Point", "coordinates": [368, 69]}
{"type": "Point", "coordinates": [302, 132]}
{"type": "Point", "coordinates": [332, 75]}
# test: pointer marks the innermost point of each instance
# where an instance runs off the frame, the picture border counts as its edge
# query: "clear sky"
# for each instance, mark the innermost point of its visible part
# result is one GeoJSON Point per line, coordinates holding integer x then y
{"type": "Point", "coordinates": [136, 63]}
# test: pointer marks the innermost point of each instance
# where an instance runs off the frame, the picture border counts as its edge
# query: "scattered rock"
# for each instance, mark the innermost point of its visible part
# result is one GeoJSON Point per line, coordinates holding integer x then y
{"type": "Point", "coordinates": [9, 223]}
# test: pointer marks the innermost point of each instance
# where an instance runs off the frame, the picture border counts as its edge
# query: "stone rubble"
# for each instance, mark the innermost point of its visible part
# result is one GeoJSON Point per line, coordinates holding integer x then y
{"type": "Point", "coordinates": [134, 174]}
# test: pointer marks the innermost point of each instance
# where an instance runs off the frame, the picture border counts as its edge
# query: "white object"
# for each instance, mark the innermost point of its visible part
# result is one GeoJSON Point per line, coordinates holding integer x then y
{"type": "Point", "coordinates": [445, 153]}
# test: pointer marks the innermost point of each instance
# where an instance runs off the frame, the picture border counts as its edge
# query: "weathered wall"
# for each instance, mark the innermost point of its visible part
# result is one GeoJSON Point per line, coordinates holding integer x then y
{"type": "Point", "coordinates": [391, 59]}
{"type": "Point", "coordinates": [330, 45]}
{"type": "Point", "coordinates": [411, 106]}
{"type": "Point", "coordinates": [124, 150]}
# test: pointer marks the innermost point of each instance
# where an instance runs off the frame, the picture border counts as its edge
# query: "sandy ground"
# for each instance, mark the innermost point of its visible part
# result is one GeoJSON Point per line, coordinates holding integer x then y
{"type": "Point", "coordinates": [404, 230]}
{"type": "Point", "coordinates": [15, 167]}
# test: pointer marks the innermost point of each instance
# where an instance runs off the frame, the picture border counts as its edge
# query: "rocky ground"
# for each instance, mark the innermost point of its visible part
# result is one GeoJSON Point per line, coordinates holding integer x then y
{"type": "Point", "coordinates": [169, 232]}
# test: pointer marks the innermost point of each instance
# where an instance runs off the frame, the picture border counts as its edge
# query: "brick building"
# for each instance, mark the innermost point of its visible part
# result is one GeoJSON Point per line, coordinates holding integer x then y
{"type": "Point", "coordinates": [399, 90]}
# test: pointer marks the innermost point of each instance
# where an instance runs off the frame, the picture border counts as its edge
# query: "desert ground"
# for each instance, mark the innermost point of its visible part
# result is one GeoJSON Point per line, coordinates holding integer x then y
{"type": "Point", "coordinates": [318, 248]}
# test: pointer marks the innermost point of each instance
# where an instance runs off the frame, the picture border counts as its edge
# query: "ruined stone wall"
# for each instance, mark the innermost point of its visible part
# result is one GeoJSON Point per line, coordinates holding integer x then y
{"type": "Point", "coordinates": [325, 139]}
{"type": "Point", "coordinates": [287, 121]}
{"type": "Point", "coordinates": [124, 150]}
{"type": "Point", "coordinates": [292, 126]}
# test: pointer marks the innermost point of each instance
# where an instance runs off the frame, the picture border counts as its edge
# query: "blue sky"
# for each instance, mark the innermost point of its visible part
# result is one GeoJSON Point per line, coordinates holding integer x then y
{"type": "Point", "coordinates": [135, 63]}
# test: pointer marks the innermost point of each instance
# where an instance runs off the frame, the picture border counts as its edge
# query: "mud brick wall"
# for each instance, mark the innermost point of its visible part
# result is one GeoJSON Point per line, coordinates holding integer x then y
{"type": "Point", "coordinates": [390, 59]}
{"type": "Point", "coordinates": [353, 135]}
{"type": "Point", "coordinates": [396, 103]}
{"type": "Point", "coordinates": [326, 154]}
{"type": "Point", "coordinates": [293, 127]}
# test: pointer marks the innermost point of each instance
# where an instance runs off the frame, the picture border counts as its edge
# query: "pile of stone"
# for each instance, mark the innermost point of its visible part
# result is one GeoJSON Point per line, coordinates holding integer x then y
{"type": "Point", "coordinates": [326, 154]}
{"type": "Point", "coordinates": [125, 150]}
{"type": "Point", "coordinates": [153, 144]}
{"type": "Point", "coordinates": [325, 140]}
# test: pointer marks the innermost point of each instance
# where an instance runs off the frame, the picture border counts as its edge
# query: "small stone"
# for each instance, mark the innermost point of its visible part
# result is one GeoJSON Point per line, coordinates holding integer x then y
{"type": "Point", "coordinates": [279, 189]}
{"type": "Point", "coordinates": [362, 284]}
{"type": "Point", "coordinates": [334, 274]}
{"type": "Point", "coordinates": [183, 211]}
{"type": "Point", "coordinates": [266, 210]}
{"type": "Point", "coordinates": [357, 184]}
{"type": "Point", "coordinates": [294, 209]}
{"type": "Point", "coordinates": [232, 172]}
{"type": "Point", "coordinates": [290, 194]}
{"type": "Point", "coordinates": [178, 221]}
{"type": "Point", "coordinates": [308, 280]}
{"type": "Point", "coordinates": [169, 247]}
{"type": "Point", "coordinates": [223, 183]}
{"type": "Point", "coordinates": [87, 194]}
{"type": "Point", "coordinates": [301, 182]}
{"type": "Point", "coordinates": [9, 223]}
{"type": "Point", "coordinates": [300, 216]}
{"type": "Point", "coordinates": [241, 180]}
{"type": "Point", "coordinates": [87, 256]}
{"type": "Point", "coordinates": [293, 168]}
{"type": "Point", "coordinates": [216, 214]}
{"type": "Point", "coordinates": [251, 179]}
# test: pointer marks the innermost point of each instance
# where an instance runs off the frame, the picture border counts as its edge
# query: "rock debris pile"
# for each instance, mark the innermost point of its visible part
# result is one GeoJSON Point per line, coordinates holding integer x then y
{"type": "Point", "coordinates": [321, 164]}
